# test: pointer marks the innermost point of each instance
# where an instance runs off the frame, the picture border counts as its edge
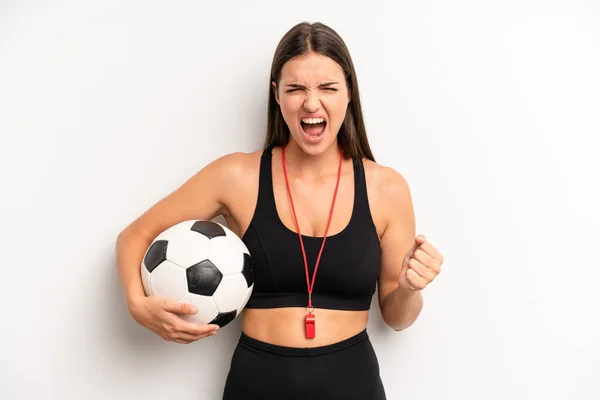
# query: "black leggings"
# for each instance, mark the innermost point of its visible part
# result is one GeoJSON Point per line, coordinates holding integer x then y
{"type": "Point", "coordinates": [345, 370]}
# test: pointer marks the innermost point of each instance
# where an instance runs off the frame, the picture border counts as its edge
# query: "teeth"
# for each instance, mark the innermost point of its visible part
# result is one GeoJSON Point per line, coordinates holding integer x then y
{"type": "Point", "coordinates": [313, 120]}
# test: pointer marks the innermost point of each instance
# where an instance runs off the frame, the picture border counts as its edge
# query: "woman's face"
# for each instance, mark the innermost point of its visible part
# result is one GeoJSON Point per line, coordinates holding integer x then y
{"type": "Point", "coordinates": [313, 98]}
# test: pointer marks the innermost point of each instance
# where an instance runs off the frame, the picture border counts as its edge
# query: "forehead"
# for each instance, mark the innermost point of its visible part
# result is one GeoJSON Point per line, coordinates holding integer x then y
{"type": "Point", "coordinates": [311, 67]}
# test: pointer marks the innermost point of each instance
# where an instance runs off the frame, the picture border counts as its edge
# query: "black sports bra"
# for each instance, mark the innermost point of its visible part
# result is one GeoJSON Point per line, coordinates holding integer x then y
{"type": "Point", "coordinates": [349, 266]}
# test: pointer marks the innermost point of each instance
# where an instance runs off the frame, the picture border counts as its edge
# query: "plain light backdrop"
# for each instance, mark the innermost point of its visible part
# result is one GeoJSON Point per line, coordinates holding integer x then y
{"type": "Point", "coordinates": [489, 109]}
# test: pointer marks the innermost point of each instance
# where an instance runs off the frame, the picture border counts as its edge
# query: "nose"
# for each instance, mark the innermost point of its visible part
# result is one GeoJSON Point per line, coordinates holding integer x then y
{"type": "Point", "coordinates": [312, 103]}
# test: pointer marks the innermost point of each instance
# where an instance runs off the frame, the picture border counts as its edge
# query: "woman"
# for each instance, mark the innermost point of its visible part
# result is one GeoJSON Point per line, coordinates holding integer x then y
{"type": "Point", "coordinates": [325, 226]}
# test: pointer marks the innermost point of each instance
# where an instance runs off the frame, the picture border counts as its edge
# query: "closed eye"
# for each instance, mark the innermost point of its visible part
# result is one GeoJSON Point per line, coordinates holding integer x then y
{"type": "Point", "coordinates": [326, 88]}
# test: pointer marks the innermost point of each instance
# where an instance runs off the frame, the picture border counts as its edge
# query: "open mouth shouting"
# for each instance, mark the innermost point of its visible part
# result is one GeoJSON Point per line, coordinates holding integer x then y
{"type": "Point", "coordinates": [313, 128]}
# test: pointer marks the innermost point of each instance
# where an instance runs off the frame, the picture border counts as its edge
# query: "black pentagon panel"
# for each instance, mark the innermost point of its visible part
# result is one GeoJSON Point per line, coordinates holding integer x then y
{"type": "Point", "coordinates": [248, 269]}
{"type": "Point", "coordinates": [224, 318]}
{"type": "Point", "coordinates": [208, 228]}
{"type": "Point", "coordinates": [156, 254]}
{"type": "Point", "coordinates": [203, 278]}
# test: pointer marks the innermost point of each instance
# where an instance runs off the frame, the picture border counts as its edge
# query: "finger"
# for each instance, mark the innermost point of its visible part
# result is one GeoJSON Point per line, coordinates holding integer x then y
{"type": "Point", "coordinates": [199, 329]}
{"type": "Point", "coordinates": [426, 260]}
{"type": "Point", "coordinates": [181, 336]}
{"type": "Point", "coordinates": [432, 251]}
{"type": "Point", "coordinates": [422, 257]}
{"type": "Point", "coordinates": [421, 270]}
{"type": "Point", "coordinates": [211, 333]}
{"type": "Point", "coordinates": [416, 281]}
{"type": "Point", "coordinates": [180, 308]}
{"type": "Point", "coordinates": [411, 286]}
{"type": "Point", "coordinates": [186, 339]}
{"type": "Point", "coordinates": [181, 325]}
{"type": "Point", "coordinates": [412, 250]}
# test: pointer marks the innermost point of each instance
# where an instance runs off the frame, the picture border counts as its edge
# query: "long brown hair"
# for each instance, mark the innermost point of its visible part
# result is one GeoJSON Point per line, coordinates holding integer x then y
{"type": "Point", "coordinates": [319, 38]}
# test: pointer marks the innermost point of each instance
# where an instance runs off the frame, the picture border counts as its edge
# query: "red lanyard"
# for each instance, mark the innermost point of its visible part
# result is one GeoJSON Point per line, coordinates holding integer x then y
{"type": "Point", "coordinates": [310, 319]}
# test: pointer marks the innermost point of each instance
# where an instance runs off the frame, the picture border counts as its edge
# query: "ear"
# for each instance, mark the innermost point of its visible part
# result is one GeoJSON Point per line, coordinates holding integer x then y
{"type": "Point", "coordinates": [275, 91]}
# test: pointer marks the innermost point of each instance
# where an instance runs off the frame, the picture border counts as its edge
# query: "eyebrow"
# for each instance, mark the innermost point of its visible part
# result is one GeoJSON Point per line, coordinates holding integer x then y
{"type": "Point", "coordinates": [294, 85]}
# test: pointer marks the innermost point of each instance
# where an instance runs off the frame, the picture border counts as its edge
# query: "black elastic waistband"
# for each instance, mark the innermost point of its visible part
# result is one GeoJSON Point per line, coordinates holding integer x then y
{"type": "Point", "coordinates": [248, 341]}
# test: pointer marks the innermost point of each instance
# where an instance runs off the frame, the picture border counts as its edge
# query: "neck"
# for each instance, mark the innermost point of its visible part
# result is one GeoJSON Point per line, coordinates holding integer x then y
{"type": "Point", "coordinates": [301, 163]}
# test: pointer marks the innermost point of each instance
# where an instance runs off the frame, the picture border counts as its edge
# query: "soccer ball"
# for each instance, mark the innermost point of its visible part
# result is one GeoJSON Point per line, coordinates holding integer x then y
{"type": "Point", "coordinates": [201, 263]}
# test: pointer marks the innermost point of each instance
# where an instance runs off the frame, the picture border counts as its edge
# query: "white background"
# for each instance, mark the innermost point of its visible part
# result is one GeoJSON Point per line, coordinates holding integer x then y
{"type": "Point", "coordinates": [489, 109]}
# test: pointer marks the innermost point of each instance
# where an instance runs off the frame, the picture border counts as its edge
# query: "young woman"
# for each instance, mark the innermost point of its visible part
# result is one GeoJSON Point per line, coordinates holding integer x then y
{"type": "Point", "coordinates": [325, 226]}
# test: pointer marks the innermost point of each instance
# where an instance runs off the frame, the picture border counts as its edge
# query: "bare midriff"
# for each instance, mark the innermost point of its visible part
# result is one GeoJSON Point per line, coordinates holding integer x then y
{"type": "Point", "coordinates": [285, 326]}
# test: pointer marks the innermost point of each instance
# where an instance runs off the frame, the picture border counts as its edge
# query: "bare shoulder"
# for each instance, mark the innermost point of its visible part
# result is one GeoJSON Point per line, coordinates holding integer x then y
{"type": "Point", "coordinates": [389, 193]}
{"type": "Point", "coordinates": [240, 169]}
{"type": "Point", "coordinates": [386, 179]}
{"type": "Point", "coordinates": [239, 180]}
{"type": "Point", "coordinates": [236, 167]}
{"type": "Point", "coordinates": [235, 174]}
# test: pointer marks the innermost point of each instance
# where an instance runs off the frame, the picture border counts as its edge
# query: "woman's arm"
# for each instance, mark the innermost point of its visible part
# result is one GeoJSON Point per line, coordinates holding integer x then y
{"type": "Point", "coordinates": [203, 196]}
{"type": "Point", "coordinates": [399, 307]}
